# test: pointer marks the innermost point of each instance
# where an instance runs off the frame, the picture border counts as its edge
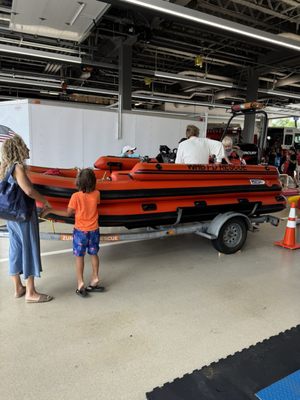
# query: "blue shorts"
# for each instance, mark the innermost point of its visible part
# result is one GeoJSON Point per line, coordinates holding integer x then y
{"type": "Point", "coordinates": [85, 241]}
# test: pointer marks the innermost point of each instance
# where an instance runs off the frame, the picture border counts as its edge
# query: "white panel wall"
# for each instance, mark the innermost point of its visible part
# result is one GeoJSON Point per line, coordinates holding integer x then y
{"type": "Point", "coordinates": [67, 136]}
{"type": "Point", "coordinates": [99, 135]}
{"type": "Point", "coordinates": [56, 136]}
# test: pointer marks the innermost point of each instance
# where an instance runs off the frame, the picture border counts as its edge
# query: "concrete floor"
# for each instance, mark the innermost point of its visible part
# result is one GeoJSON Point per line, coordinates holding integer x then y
{"type": "Point", "coordinates": [173, 305]}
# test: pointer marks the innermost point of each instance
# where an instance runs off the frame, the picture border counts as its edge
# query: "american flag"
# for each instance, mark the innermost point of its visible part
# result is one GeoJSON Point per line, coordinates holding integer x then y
{"type": "Point", "coordinates": [5, 133]}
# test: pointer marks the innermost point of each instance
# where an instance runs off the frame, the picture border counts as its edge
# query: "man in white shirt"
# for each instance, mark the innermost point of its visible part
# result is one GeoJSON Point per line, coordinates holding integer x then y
{"type": "Point", "coordinates": [197, 150]}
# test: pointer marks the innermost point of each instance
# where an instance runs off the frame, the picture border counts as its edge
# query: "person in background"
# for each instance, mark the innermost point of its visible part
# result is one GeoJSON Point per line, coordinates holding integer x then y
{"type": "Point", "coordinates": [278, 158]}
{"type": "Point", "coordinates": [233, 154]}
{"type": "Point", "coordinates": [86, 236]}
{"type": "Point", "coordinates": [129, 151]}
{"type": "Point", "coordinates": [298, 166]}
{"type": "Point", "coordinates": [291, 168]}
{"type": "Point", "coordinates": [24, 239]}
{"type": "Point", "coordinates": [197, 150]}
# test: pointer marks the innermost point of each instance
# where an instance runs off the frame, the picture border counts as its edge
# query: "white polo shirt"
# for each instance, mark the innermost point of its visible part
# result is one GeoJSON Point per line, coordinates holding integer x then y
{"type": "Point", "coordinates": [197, 150]}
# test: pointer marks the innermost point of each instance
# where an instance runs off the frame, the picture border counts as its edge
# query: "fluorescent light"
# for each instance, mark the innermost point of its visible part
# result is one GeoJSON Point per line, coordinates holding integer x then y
{"type": "Point", "coordinates": [39, 54]}
{"type": "Point", "coordinates": [92, 90]}
{"type": "Point", "coordinates": [49, 92]}
{"type": "Point", "coordinates": [35, 78]}
{"type": "Point", "coordinates": [78, 12]}
{"type": "Point", "coordinates": [194, 80]}
{"type": "Point", "coordinates": [280, 93]}
{"type": "Point", "coordinates": [18, 42]}
{"type": "Point", "coordinates": [30, 83]}
{"type": "Point", "coordinates": [210, 20]}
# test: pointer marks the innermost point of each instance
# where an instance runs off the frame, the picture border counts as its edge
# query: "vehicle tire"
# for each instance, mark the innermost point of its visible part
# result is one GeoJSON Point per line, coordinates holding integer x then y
{"type": "Point", "coordinates": [232, 236]}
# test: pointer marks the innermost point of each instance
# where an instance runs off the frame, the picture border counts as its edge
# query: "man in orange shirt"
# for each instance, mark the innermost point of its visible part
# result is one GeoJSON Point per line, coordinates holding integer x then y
{"type": "Point", "coordinates": [84, 205]}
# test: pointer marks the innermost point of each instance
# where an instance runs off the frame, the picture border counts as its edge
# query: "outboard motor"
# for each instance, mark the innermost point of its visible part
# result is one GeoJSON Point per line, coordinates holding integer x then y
{"type": "Point", "coordinates": [166, 155]}
{"type": "Point", "coordinates": [250, 153]}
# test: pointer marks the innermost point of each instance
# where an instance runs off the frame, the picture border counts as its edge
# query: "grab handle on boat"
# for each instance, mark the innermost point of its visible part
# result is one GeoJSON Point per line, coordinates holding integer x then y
{"type": "Point", "coordinates": [112, 164]}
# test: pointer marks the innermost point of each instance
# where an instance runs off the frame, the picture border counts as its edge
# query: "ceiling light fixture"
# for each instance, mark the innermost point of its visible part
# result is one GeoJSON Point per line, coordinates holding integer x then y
{"type": "Point", "coordinates": [20, 42]}
{"type": "Point", "coordinates": [30, 83]}
{"type": "Point", "coordinates": [206, 19]}
{"type": "Point", "coordinates": [39, 54]}
{"type": "Point", "coordinates": [203, 81]}
{"type": "Point", "coordinates": [92, 90]}
{"type": "Point", "coordinates": [52, 93]}
{"type": "Point", "coordinates": [77, 13]}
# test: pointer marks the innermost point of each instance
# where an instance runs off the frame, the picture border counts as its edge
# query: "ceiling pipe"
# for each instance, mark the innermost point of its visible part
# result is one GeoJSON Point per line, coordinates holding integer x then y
{"type": "Point", "coordinates": [202, 81]}
{"type": "Point", "coordinates": [288, 81]}
{"type": "Point", "coordinates": [207, 59]}
{"type": "Point", "coordinates": [280, 93]}
{"type": "Point", "coordinates": [5, 9]}
{"type": "Point", "coordinates": [174, 96]}
{"type": "Point", "coordinates": [204, 76]}
{"type": "Point", "coordinates": [178, 101]}
{"type": "Point", "coordinates": [4, 17]}
{"type": "Point", "coordinates": [51, 84]}
{"type": "Point", "coordinates": [228, 94]}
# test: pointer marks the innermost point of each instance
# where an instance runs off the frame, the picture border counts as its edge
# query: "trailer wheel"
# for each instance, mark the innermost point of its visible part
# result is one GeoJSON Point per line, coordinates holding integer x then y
{"type": "Point", "coordinates": [232, 236]}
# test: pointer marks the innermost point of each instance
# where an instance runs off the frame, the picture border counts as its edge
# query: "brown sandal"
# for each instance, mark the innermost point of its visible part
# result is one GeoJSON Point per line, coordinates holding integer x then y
{"type": "Point", "coordinates": [43, 298]}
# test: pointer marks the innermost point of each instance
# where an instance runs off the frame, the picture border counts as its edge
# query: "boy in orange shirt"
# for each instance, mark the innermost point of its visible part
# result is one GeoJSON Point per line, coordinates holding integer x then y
{"type": "Point", "coordinates": [86, 235]}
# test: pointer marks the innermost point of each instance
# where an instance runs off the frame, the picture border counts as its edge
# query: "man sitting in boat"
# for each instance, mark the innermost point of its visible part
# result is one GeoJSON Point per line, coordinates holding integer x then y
{"type": "Point", "coordinates": [233, 154]}
{"type": "Point", "coordinates": [197, 150]}
{"type": "Point", "coordinates": [129, 151]}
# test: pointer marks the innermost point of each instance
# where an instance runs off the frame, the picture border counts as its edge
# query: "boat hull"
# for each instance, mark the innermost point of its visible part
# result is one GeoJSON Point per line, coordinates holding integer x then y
{"type": "Point", "coordinates": [152, 194]}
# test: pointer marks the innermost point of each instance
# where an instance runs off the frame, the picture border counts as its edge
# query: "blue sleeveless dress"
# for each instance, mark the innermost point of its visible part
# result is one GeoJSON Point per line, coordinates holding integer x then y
{"type": "Point", "coordinates": [24, 247]}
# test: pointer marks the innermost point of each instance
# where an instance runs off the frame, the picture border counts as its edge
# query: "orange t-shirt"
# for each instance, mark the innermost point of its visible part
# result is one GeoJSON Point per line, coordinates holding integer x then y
{"type": "Point", "coordinates": [86, 213]}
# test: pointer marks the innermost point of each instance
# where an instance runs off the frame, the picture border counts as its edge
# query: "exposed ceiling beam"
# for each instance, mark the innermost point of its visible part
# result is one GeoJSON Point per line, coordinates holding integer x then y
{"type": "Point", "coordinates": [291, 2]}
{"type": "Point", "coordinates": [177, 11]}
{"type": "Point", "coordinates": [265, 10]}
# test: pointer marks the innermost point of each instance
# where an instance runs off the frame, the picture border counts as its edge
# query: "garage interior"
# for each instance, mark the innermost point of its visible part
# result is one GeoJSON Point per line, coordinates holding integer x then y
{"type": "Point", "coordinates": [172, 305]}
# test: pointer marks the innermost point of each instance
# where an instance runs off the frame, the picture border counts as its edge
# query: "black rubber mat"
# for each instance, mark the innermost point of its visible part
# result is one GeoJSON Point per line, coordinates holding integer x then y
{"type": "Point", "coordinates": [240, 376]}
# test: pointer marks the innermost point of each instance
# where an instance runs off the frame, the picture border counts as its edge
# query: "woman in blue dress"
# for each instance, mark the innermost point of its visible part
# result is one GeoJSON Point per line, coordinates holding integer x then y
{"type": "Point", "coordinates": [24, 238]}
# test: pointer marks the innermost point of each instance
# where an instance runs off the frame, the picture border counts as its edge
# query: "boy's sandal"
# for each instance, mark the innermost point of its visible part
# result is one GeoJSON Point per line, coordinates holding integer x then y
{"type": "Point", "coordinates": [81, 292]}
{"type": "Point", "coordinates": [95, 288]}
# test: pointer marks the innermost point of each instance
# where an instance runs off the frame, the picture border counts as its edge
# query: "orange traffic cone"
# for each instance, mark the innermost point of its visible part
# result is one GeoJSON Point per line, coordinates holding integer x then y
{"type": "Point", "coordinates": [289, 240]}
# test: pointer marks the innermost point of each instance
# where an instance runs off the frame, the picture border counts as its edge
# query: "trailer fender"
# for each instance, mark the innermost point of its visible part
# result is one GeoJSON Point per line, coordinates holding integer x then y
{"type": "Point", "coordinates": [217, 223]}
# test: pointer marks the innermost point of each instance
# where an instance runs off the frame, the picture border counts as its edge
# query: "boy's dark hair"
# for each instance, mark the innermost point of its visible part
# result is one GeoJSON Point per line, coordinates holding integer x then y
{"type": "Point", "coordinates": [86, 180]}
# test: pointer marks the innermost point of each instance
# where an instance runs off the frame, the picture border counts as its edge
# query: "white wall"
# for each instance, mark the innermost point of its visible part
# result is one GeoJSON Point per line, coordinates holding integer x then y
{"type": "Point", "coordinates": [66, 136]}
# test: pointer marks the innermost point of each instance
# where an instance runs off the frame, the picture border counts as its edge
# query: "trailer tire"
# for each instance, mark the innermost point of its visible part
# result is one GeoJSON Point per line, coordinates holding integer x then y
{"type": "Point", "coordinates": [232, 236]}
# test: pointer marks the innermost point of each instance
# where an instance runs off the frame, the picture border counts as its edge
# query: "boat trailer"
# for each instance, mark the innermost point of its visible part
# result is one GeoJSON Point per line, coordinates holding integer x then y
{"type": "Point", "coordinates": [227, 231]}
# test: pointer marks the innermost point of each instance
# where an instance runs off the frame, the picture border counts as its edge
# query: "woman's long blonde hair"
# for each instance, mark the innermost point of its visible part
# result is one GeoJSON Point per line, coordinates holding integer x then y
{"type": "Point", "coordinates": [14, 150]}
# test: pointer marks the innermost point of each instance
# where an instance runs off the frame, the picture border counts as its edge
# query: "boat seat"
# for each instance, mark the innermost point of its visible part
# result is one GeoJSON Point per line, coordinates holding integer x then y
{"type": "Point", "coordinates": [120, 176]}
{"type": "Point", "coordinates": [111, 163]}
